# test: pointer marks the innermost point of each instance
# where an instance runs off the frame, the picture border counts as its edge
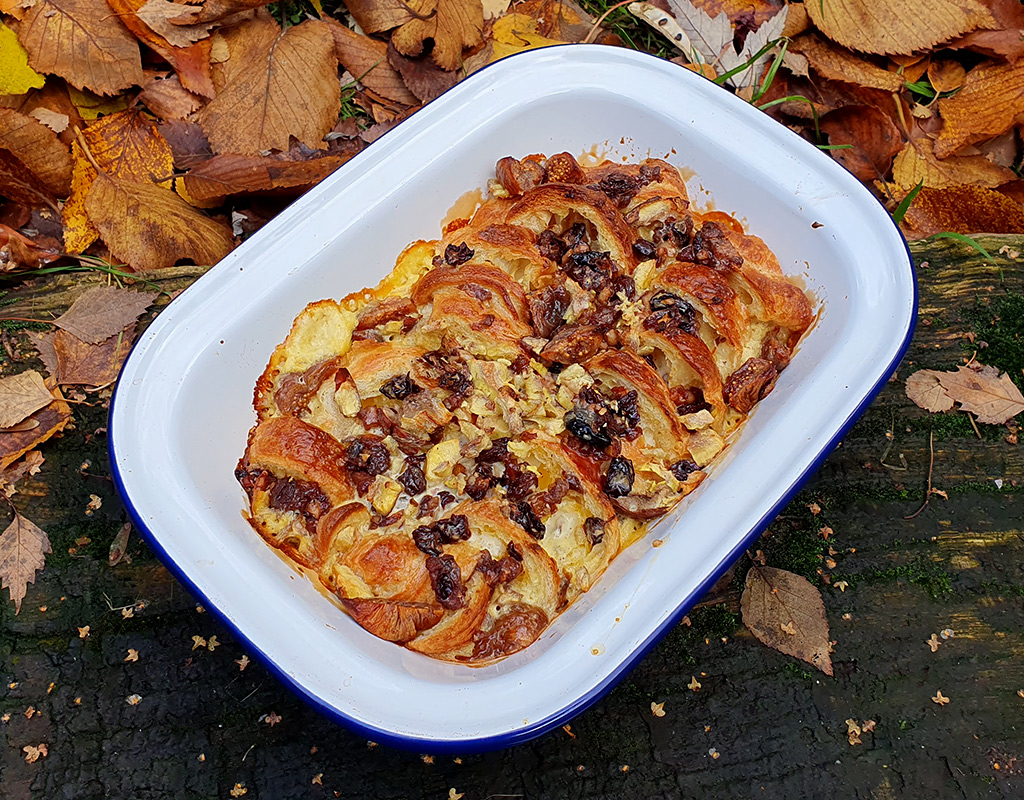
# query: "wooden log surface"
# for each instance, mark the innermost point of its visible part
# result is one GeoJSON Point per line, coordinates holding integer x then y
{"type": "Point", "coordinates": [761, 725]}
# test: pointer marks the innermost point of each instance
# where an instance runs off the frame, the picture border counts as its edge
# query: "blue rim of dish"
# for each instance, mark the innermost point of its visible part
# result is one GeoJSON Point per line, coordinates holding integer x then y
{"type": "Point", "coordinates": [582, 703]}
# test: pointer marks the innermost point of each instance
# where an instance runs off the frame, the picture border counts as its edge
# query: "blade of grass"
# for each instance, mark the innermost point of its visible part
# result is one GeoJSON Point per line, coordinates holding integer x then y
{"type": "Point", "coordinates": [746, 64]}
{"type": "Point", "coordinates": [797, 98]}
{"type": "Point", "coordinates": [772, 70]}
{"type": "Point", "coordinates": [901, 209]}
{"type": "Point", "coordinates": [833, 146]}
{"type": "Point", "coordinates": [965, 239]}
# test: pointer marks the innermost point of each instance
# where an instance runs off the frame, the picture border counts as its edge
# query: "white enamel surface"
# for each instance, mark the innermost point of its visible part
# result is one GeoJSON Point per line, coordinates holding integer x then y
{"type": "Point", "coordinates": [183, 406]}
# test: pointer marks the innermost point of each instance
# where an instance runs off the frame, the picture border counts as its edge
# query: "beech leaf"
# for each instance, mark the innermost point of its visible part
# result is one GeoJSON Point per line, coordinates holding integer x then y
{"type": "Point", "coordinates": [288, 87]}
{"type": "Point", "coordinates": [991, 397]}
{"type": "Point", "coordinates": [16, 442]}
{"type": "Point", "coordinates": [916, 163]}
{"type": "Point", "coordinates": [924, 389]}
{"type": "Point", "coordinates": [21, 396]}
{"type": "Point", "coordinates": [785, 612]}
{"type": "Point", "coordinates": [452, 25]}
{"type": "Point", "coordinates": [872, 136]}
{"type": "Point", "coordinates": [229, 174]}
{"type": "Point", "coordinates": [838, 64]}
{"type": "Point", "coordinates": [893, 26]}
{"type": "Point", "coordinates": [81, 41]}
{"type": "Point", "coordinates": [150, 227]}
{"type": "Point", "coordinates": [103, 311]}
{"type": "Point", "coordinates": [991, 99]}
{"type": "Point", "coordinates": [156, 15]}
{"type": "Point", "coordinates": [23, 549]}
{"type": "Point", "coordinates": [961, 209]}
{"type": "Point", "coordinates": [367, 60]}
{"type": "Point", "coordinates": [84, 364]}
{"type": "Point", "coordinates": [375, 16]}
{"type": "Point", "coordinates": [38, 149]}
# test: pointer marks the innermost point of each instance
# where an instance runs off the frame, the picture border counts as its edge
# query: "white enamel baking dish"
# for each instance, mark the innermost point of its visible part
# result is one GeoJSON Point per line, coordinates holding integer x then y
{"type": "Point", "coordinates": [183, 405]}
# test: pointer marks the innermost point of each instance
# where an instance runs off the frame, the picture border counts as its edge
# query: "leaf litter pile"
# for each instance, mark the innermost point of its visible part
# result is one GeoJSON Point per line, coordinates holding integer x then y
{"type": "Point", "coordinates": [136, 135]}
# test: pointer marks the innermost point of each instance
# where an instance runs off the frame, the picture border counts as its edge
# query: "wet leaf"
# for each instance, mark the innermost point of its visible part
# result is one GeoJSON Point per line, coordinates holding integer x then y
{"type": "Point", "coordinates": [890, 26]}
{"type": "Point", "coordinates": [81, 41]}
{"type": "Point", "coordinates": [289, 88]}
{"type": "Point", "coordinates": [83, 364]}
{"type": "Point", "coordinates": [839, 64]}
{"type": "Point", "coordinates": [375, 16]}
{"type": "Point", "coordinates": [367, 60]}
{"type": "Point", "coordinates": [991, 397]}
{"type": "Point", "coordinates": [16, 76]}
{"type": "Point", "coordinates": [991, 99]}
{"type": "Point", "coordinates": [156, 14]}
{"type": "Point", "coordinates": [103, 312]}
{"type": "Point", "coordinates": [924, 389]}
{"type": "Point", "coordinates": [452, 25]}
{"type": "Point", "coordinates": [773, 598]}
{"type": "Point", "coordinates": [917, 163]}
{"type": "Point", "coordinates": [515, 33]}
{"type": "Point", "coordinates": [23, 549]}
{"type": "Point", "coordinates": [34, 161]}
{"type": "Point", "coordinates": [226, 175]}
{"type": "Point", "coordinates": [119, 546]}
{"type": "Point", "coordinates": [150, 227]}
{"type": "Point", "coordinates": [21, 396]}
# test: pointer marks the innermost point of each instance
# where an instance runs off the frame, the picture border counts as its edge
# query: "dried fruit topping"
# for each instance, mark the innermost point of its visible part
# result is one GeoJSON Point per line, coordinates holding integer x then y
{"type": "Point", "coordinates": [430, 538]}
{"type": "Point", "coordinates": [618, 481]}
{"type": "Point", "coordinates": [368, 454]}
{"type": "Point", "coordinates": [457, 254]}
{"type": "Point", "coordinates": [589, 269]}
{"type": "Point", "coordinates": [446, 580]}
{"type": "Point", "coordinates": [412, 478]}
{"type": "Point", "coordinates": [688, 399]}
{"type": "Point", "coordinates": [669, 312]}
{"type": "Point", "coordinates": [644, 250]}
{"type": "Point", "coordinates": [547, 309]}
{"type": "Point", "coordinates": [522, 515]}
{"type": "Point", "coordinates": [750, 383]}
{"type": "Point", "coordinates": [583, 423]}
{"type": "Point", "coordinates": [288, 494]}
{"type": "Point", "coordinates": [710, 247]}
{"type": "Point", "coordinates": [594, 529]}
{"type": "Point", "coordinates": [563, 168]}
{"type": "Point", "coordinates": [682, 469]}
{"type": "Point", "coordinates": [399, 387]}
{"type": "Point", "coordinates": [620, 188]}
{"type": "Point", "coordinates": [501, 571]}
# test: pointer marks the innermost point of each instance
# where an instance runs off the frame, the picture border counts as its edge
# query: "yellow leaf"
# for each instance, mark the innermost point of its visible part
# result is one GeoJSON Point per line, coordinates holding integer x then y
{"type": "Point", "coordinates": [93, 106]}
{"type": "Point", "coordinates": [515, 33]}
{"type": "Point", "coordinates": [16, 76]}
{"type": "Point", "coordinates": [318, 6]}
{"type": "Point", "coordinates": [453, 26]}
{"type": "Point", "coordinates": [917, 163]}
{"type": "Point", "coordinates": [150, 227]}
{"type": "Point", "coordinates": [79, 232]}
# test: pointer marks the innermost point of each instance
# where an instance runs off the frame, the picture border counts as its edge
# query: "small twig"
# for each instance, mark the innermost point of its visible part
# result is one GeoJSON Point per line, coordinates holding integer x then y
{"type": "Point", "coordinates": [931, 463]}
{"type": "Point", "coordinates": [592, 33]}
{"type": "Point", "coordinates": [247, 752]}
{"type": "Point", "coordinates": [85, 149]}
{"type": "Point", "coordinates": [973, 425]}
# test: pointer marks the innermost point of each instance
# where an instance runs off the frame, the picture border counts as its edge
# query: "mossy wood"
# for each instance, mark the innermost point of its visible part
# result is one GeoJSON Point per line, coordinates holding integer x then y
{"type": "Point", "coordinates": [761, 724]}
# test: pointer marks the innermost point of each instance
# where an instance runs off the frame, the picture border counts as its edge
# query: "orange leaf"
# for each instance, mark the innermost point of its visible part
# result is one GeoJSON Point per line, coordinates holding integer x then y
{"type": "Point", "coordinates": [375, 16]}
{"type": "Point", "coordinates": [168, 99]}
{"type": "Point", "coordinates": [453, 26]}
{"type": "Point", "coordinates": [992, 97]}
{"type": "Point", "coordinates": [79, 232]}
{"type": "Point", "coordinates": [294, 91]}
{"type": "Point", "coordinates": [874, 137]}
{"type": "Point", "coordinates": [946, 75]}
{"type": "Point", "coordinates": [1007, 40]}
{"type": "Point", "coordinates": [231, 174]}
{"type": "Point", "coordinates": [892, 26]}
{"type": "Point", "coordinates": [213, 11]}
{"type": "Point", "coordinates": [836, 63]}
{"type": "Point", "coordinates": [962, 209]}
{"type": "Point", "coordinates": [156, 14]}
{"type": "Point", "coordinates": [150, 227]}
{"type": "Point", "coordinates": [48, 421]}
{"type": "Point", "coordinates": [81, 41]}
{"type": "Point", "coordinates": [38, 149]}
{"type": "Point", "coordinates": [367, 60]}
{"type": "Point", "coordinates": [917, 163]}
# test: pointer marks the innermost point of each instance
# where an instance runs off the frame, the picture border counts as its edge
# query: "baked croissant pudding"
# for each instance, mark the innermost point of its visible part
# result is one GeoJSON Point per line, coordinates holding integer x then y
{"type": "Point", "coordinates": [459, 453]}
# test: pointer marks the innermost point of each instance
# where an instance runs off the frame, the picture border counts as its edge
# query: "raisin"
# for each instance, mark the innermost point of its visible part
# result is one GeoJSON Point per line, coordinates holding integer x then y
{"type": "Point", "coordinates": [513, 551]}
{"type": "Point", "coordinates": [399, 387]}
{"type": "Point", "coordinates": [594, 529]}
{"type": "Point", "coordinates": [551, 246]}
{"type": "Point", "coordinates": [644, 250]}
{"type": "Point", "coordinates": [620, 188]}
{"type": "Point", "coordinates": [501, 571]}
{"type": "Point", "coordinates": [446, 498]}
{"type": "Point", "coordinates": [446, 580]}
{"type": "Point", "coordinates": [682, 469]}
{"type": "Point", "coordinates": [618, 481]}
{"type": "Point", "coordinates": [368, 454]}
{"type": "Point", "coordinates": [412, 478]}
{"type": "Point", "coordinates": [498, 451]}
{"type": "Point", "coordinates": [547, 309]}
{"type": "Point", "coordinates": [429, 538]}
{"type": "Point", "coordinates": [590, 270]}
{"type": "Point", "coordinates": [428, 505]}
{"type": "Point", "coordinates": [302, 496]}
{"type": "Point", "coordinates": [455, 255]}
{"type": "Point", "coordinates": [629, 408]}
{"type": "Point", "coordinates": [671, 312]}
{"type": "Point", "coordinates": [581, 422]}
{"type": "Point", "coordinates": [522, 515]}
{"type": "Point", "coordinates": [518, 482]}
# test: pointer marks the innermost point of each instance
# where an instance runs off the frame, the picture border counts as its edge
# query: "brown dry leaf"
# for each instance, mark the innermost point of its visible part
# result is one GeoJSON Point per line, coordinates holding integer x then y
{"type": "Point", "coordinates": [21, 396]}
{"type": "Point", "coordinates": [773, 598]}
{"type": "Point", "coordinates": [563, 20]}
{"type": "Point", "coordinates": [32, 752]}
{"type": "Point", "coordinates": [946, 75]}
{"type": "Point", "coordinates": [168, 99]}
{"type": "Point", "coordinates": [374, 16]}
{"type": "Point", "coordinates": [453, 25]}
{"type": "Point", "coordinates": [103, 312]}
{"type": "Point", "coordinates": [84, 43]}
{"type": "Point", "coordinates": [23, 549]}
{"type": "Point", "coordinates": [293, 92]}
{"type": "Point", "coordinates": [424, 78]}
{"type": "Point", "coordinates": [1006, 40]}
{"type": "Point", "coordinates": [10, 476]}
{"type": "Point", "coordinates": [83, 364]}
{"type": "Point", "coordinates": [36, 148]}
{"type": "Point", "coordinates": [891, 26]}
{"type": "Point", "coordinates": [992, 98]}
{"type": "Point", "coordinates": [214, 11]}
{"type": "Point", "coordinates": [49, 420]}
{"type": "Point", "coordinates": [747, 13]}
{"type": "Point", "coordinates": [940, 700]}
{"type": "Point", "coordinates": [917, 163]}
{"type": "Point", "coordinates": [961, 209]}
{"type": "Point", "coordinates": [924, 389]}
{"type": "Point", "coordinates": [873, 136]}
{"type": "Point", "coordinates": [839, 64]}
{"type": "Point", "coordinates": [156, 15]}
{"type": "Point", "coordinates": [992, 398]}
{"type": "Point", "coordinates": [150, 227]}
{"type": "Point", "coordinates": [192, 63]}
{"type": "Point", "coordinates": [226, 175]}
{"type": "Point", "coordinates": [119, 546]}
{"type": "Point", "coordinates": [367, 60]}
{"type": "Point", "coordinates": [53, 97]}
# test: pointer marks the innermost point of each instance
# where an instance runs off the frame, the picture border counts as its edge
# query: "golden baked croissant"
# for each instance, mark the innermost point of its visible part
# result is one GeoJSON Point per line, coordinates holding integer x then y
{"type": "Point", "coordinates": [459, 453]}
